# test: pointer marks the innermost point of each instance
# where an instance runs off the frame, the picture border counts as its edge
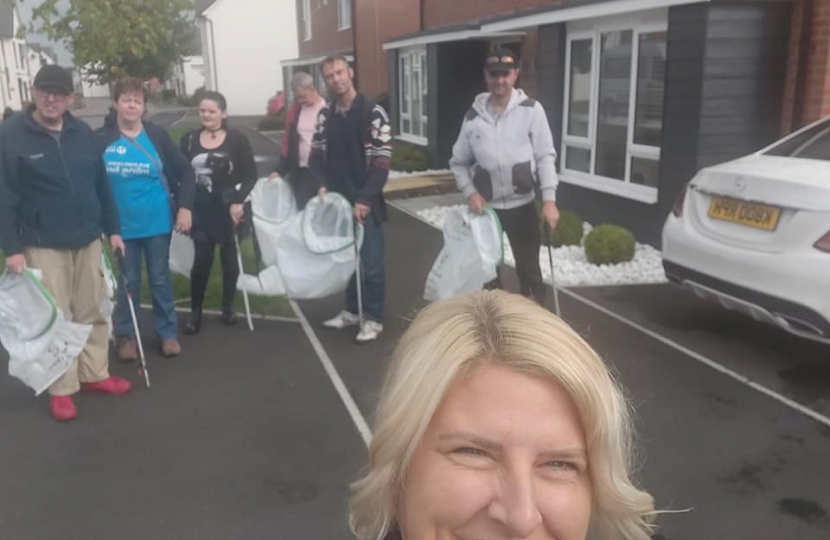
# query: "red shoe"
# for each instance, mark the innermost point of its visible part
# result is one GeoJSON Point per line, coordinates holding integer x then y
{"type": "Point", "coordinates": [63, 408]}
{"type": "Point", "coordinates": [112, 386]}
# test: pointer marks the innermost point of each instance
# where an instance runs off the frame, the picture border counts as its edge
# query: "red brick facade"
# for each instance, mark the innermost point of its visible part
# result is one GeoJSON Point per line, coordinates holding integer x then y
{"type": "Point", "coordinates": [443, 12]}
{"type": "Point", "coordinates": [325, 37]}
{"type": "Point", "coordinates": [814, 100]}
{"type": "Point", "coordinates": [377, 22]}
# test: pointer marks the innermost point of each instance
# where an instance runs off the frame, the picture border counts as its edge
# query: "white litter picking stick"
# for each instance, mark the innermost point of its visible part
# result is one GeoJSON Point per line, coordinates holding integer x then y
{"type": "Point", "coordinates": [142, 368]}
{"type": "Point", "coordinates": [244, 285]}
{"type": "Point", "coordinates": [359, 279]}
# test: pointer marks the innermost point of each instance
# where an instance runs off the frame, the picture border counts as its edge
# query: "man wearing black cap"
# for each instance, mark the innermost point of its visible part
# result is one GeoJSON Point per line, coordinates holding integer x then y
{"type": "Point", "coordinates": [504, 148]}
{"type": "Point", "coordinates": [55, 204]}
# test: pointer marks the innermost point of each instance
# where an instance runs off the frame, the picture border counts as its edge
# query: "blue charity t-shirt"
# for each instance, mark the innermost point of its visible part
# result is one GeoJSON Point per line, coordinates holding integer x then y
{"type": "Point", "coordinates": [139, 192]}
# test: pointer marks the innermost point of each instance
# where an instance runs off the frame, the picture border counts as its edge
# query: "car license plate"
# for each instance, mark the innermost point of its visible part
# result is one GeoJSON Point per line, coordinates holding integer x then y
{"type": "Point", "coordinates": [759, 216]}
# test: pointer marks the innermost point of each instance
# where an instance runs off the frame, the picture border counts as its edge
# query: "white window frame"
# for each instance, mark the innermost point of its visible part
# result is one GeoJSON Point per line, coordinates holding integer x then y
{"type": "Point", "coordinates": [407, 59]}
{"type": "Point", "coordinates": [344, 14]}
{"type": "Point", "coordinates": [305, 19]}
{"type": "Point", "coordinates": [622, 188]}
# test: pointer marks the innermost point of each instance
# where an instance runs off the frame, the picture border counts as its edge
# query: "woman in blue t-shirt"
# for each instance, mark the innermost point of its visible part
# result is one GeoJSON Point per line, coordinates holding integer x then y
{"type": "Point", "coordinates": [153, 185]}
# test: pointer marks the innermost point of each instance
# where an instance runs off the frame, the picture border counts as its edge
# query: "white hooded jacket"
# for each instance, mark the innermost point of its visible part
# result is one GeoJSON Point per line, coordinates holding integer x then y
{"type": "Point", "coordinates": [501, 158]}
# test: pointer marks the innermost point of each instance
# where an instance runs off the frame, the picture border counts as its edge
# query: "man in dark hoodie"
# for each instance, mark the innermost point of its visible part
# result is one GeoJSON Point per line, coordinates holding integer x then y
{"type": "Point", "coordinates": [55, 204]}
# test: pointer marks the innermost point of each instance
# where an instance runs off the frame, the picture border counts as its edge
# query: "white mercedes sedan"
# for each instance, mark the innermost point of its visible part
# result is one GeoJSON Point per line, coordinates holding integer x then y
{"type": "Point", "coordinates": [754, 234]}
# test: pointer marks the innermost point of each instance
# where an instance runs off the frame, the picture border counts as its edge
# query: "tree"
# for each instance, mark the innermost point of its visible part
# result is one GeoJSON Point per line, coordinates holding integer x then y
{"type": "Point", "coordinates": [114, 38]}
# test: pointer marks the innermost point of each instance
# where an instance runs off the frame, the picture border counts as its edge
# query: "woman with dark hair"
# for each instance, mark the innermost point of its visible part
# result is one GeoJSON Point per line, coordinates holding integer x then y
{"type": "Point", "coordinates": [153, 185]}
{"type": "Point", "coordinates": [225, 174]}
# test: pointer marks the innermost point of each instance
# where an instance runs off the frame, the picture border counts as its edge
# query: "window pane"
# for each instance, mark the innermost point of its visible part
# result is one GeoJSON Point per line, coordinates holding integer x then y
{"type": "Point", "coordinates": [406, 126]}
{"type": "Point", "coordinates": [404, 85]}
{"type": "Point", "coordinates": [578, 159]}
{"type": "Point", "coordinates": [579, 105]}
{"type": "Point", "coordinates": [416, 103]}
{"type": "Point", "coordinates": [813, 143]}
{"type": "Point", "coordinates": [651, 83]}
{"type": "Point", "coordinates": [614, 90]}
{"type": "Point", "coordinates": [645, 171]}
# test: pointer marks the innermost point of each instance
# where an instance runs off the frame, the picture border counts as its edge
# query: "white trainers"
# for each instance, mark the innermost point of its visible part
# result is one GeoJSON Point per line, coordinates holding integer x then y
{"type": "Point", "coordinates": [342, 320]}
{"type": "Point", "coordinates": [370, 332]}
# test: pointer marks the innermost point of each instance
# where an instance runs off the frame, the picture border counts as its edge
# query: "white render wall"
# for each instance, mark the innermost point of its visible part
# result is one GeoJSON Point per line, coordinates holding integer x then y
{"type": "Point", "coordinates": [243, 51]}
{"type": "Point", "coordinates": [17, 69]}
{"type": "Point", "coordinates": [194, 73]}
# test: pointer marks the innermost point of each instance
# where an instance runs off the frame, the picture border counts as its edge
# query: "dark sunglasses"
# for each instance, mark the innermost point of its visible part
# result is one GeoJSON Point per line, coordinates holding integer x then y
{"type": "Point", "coordinates": [500, 60]}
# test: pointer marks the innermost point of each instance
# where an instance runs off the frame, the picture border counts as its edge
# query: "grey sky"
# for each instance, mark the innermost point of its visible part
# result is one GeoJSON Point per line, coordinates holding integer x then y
{"type": "Point", "coordinates": [26, 6]}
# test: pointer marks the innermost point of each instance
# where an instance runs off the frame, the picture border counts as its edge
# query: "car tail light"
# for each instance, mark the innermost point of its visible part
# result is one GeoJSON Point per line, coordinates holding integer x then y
{"type": "Point", "coordinates": [823, 243]}
{"type": "Point", "coordinates": [677, 210]}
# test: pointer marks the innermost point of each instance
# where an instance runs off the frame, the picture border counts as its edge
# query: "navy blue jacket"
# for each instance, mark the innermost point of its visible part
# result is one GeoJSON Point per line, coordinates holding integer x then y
{"type": "Point", "coordinates": [175, 166]}
{"type": "Point", "coordinates": [54, 192]}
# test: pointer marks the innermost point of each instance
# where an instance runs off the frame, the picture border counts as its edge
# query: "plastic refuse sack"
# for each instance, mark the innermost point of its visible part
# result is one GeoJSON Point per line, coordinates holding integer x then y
{"type": "Point", "coordinates": [473, 249]}
{"type": "Point", "coordinates": [182, 253]}
{"type": "Point", "coordinates": [273, 207]}
{"type": "Point", "coordinates": [40, 342]}
{"type": "Point", "coordinates": [310, 254]}
{"type": "Point", "coordinates": [110, 288]}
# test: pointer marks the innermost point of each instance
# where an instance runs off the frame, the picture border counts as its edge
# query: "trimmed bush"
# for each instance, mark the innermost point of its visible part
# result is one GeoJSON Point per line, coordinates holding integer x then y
{"type": "Point", "coordinates": [409, 157]}
{"type": "Point", "coordinates": [609, 244]}
{"type": "Point", "coordinates": [569, 231]}
{"type": "Point", "coordinates": [192, 101]}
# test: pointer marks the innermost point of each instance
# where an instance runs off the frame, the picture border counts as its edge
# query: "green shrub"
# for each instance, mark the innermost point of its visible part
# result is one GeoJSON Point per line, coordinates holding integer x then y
{"type": "Point", "coordinates": [272, 123]}
{"type": "Point", "coordinates": [409, 157]}
{"type": "Point", "coordinates": [569, 231]}
{"type": "Point", "coordinates": [609, 244]}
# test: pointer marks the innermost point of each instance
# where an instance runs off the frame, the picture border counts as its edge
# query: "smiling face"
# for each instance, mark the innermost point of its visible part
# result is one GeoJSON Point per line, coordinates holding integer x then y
{"type": "Point", "coordinates": [338, 76]}
{"type": "Point", "coordinates": [211, 114]}
{"type": "Point", "coordinates": [130, 106]}
{"type": "Point", "coordinates": [504, 457]}
{"type": "Point", "coordinates": [500, 82]}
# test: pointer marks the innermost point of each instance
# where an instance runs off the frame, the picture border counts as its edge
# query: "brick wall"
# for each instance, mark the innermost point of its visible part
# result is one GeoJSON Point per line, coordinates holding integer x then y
{"type": "Point", "coordinates": [378, 21]}
{"type": "Point", "coordinates": [814, 100]}
{"type": "Point", "coordinates": [325, 37]}
{"type": "Point", "coordinates": [442, 12]}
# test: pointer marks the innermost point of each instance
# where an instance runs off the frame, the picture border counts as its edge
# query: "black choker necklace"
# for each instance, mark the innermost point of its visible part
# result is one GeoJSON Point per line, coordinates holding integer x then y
{"type": "Point", "coordinates": [213, 132]}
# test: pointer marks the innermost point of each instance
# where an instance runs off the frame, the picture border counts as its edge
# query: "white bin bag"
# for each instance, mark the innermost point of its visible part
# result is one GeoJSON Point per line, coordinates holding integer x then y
{"type": "Point", "coordinates": [473, 249]}
{"type": "Point", "coordinates": [40, 343]}
{"type": "Point", "coordinates": [273, 208]}
{"type": "Point", "coordinates": [110, 288]}
{"type": "Point", "coordinates": [316, 252]}
{"type": "Point", "coordinates": [182, 253]}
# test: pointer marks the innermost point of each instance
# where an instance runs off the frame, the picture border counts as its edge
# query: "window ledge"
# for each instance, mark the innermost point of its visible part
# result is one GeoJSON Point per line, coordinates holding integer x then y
{"type": "Point", "coordinates": [413, 139]}
{"type": "Point", "coordinates": [644, 194]}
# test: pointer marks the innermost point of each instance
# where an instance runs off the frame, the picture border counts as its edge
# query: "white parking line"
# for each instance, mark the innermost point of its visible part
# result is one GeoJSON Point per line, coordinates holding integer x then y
{"type": "Point", "coordinates": [357, 417]}
{"type": "Point", "coordinates": [784, 400]}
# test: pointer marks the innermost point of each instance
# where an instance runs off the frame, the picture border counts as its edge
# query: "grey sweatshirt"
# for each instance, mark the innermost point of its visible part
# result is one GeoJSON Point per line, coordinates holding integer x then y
{"type": "Point", "coordinates": [500, 158]}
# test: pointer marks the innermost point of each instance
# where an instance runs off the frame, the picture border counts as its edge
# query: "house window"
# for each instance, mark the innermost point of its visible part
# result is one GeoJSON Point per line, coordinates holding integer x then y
{"type": "Point", "coordinates": [615, 80]}
{"type": "Point", "coordinates": [305, 19]}
{"type": "Point", "coordinates": [413, 94]}
{"type": "Point", "coordinates": [344, 14]}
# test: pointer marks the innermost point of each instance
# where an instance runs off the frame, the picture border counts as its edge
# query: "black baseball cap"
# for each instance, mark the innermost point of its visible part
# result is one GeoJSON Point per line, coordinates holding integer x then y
{"type": "Point", "coordinates": [53, 78]}
{"type": "Point", "coordinates": [501, 60]}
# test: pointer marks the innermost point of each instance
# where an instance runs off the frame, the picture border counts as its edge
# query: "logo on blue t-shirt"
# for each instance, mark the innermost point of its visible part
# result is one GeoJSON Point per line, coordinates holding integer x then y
{"type": "Point", "coordinates": [142, 199]}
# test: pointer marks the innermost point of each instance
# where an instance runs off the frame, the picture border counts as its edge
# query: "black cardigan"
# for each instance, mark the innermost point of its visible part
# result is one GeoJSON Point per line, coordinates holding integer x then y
{"type": "Point", "coordinates": [176, 167]}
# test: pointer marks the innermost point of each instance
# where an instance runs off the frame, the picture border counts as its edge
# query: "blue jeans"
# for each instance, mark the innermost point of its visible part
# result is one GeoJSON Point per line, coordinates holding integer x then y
{"type": "Point", "coordinates": [156, 250]}
{"type": "Point", "coordinates": [374, 276]}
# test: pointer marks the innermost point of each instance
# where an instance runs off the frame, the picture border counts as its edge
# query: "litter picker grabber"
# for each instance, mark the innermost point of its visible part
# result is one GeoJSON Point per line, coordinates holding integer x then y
{"type": "Point", "coordinates": [244, 286]}
{"type": "Point", "coordinates": [358, 276]}
{"type": "Point", "coordinates": [552, 272]}
{"type": "Point", "coordinates": [142, 368]}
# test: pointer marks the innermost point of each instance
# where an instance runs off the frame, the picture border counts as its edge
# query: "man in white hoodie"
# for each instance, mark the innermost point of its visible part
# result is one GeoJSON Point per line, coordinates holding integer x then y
{"type": "Point", "coordinates": [505, 145]}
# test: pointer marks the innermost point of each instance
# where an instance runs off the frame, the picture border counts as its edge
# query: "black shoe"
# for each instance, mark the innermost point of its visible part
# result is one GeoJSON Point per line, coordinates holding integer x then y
{"type": "Point", "coordinates": [229, 317]}
{"type": "Point", "coordinates": [195, 324]}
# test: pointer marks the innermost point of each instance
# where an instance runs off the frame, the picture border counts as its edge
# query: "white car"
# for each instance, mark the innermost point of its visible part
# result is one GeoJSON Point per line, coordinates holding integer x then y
{"type": "Point", "coordinates": [754, 234]}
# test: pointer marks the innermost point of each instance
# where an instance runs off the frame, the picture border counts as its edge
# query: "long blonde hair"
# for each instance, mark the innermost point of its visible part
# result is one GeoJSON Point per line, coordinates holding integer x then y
{"type": "Point", "coordinates": [448, 339]}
